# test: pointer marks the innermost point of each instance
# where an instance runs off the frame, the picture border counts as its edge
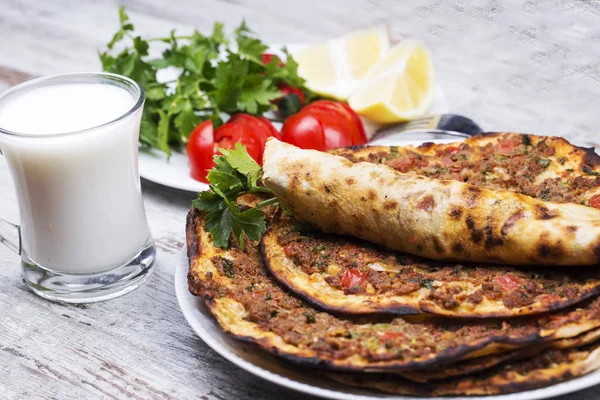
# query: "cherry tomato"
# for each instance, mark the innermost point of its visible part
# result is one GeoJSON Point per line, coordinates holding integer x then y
{"type": "Point", "coordinates": [353, 277]}
{"type": "Point", "coordinates": [200, 150]}
{"type": "Point", "coordinates": [595, 201]}
{"type": "Point", "coordinates": [227, 135]}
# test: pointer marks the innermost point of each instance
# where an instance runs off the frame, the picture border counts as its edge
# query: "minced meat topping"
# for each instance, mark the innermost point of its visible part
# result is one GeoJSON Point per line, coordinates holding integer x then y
{"type": "Point", "coordinates": [360, 268]}
{"type": "Point", "coordinates": [512, 163]}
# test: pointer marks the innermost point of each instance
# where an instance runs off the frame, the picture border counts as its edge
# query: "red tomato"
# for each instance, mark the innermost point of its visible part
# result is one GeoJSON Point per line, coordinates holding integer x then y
{"type": "Point", "coordinates": [304, 131]}
{"type": "Point", "coordinates": [267, 57]}
{"type": "Point", "coordinates": [336, 131]}
{"type": "Point", "coordinates": [451, 150]}
{"type": "Point", "coordinates": [392, 335]}
{"type": "Point", "coordinates": [508, 281]}
{"type": "Point", "coordinates": [595, 201]}
{"type": "Point", "coordinates": [288, 90]}
{"type": "Point", "coordinates": [200, 150]}
{"type": "Point", "coordinates": [353, 277]}
{"type": "Point", "coordinates": [259, 127]}
{"type": "Point", "coordinates": [273, 131]}
{"type": "Point", "coordinates": [506, 147]}
{"type": "Point", "coordinates": [323, 125]}
{"type": "Point", "coordinates": [362, 138]}
{"type": "Point", "coordinates": [355, 125]}
{"type": "Point", "coordinates": [447, 162]}
{"type": "Point", "coordinates": [226, 136]}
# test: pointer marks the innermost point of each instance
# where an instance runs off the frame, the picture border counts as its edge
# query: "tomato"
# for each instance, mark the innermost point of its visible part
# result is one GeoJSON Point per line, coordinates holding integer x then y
{"type": "Point", "coordinates": [447, 162]}
{"type": "Point", "coordinates": [450, 150]}
{"type": "Point", "coordinates": [323, 125]}
{"type": "Point", "coordinates": [268, 57]}
{"type": "Point", "coordinates": [391, 335]}
{"type": "Point", "coordinates": [291, 102]}
{"type": "Point", "coordinates": [595, 201]}
{"type": "Point", "coordinates": [288, 90]}
{"type": "Point", "coordinates": [362, 138]}
{"type": "Point", "coordinates": [304, 131]}
{"type": "Point", "coordinates": [226, 136]}
{"type": "Point", "coordinates": [506, 147]}
{"type": "Point", "coordinates": [353, 277]}
{"type": "Point", "coordinates": [355, 125]}
{"type": "Point", "coordinates": [508, 281]}
{"type": "Point", "coordinates": [259, 128]}
{"type": "Point", "coordinates": [200, 150]}
{"type": "Point", "coordinates": [273, 131]}
{"type": "Point", "coordinates": [336, 131]}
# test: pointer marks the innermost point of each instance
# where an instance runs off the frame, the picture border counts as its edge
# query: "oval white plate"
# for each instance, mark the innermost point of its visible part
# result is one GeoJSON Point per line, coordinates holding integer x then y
{"type": "Point", "coordinates": [175, 172]}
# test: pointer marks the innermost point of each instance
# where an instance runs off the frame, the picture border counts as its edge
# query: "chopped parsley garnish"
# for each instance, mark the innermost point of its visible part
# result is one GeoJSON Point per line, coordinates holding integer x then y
{"type": "Point", "coordinates": [543, 162]}
{"type": "Point", "coordinates": [310, 318]}
{"type": "Point", "coordinates": [227, 266]}
{"type": "Point", "coordinates": [590, 171]}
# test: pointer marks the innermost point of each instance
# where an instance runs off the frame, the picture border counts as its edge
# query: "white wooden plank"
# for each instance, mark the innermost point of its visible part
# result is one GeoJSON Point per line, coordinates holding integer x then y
{"type": "Point", "coordinates": [523, 66]}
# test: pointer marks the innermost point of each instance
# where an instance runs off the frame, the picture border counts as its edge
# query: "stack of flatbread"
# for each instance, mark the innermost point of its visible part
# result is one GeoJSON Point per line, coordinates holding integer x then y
{"type": "Point", "coordinates": [458, 269]}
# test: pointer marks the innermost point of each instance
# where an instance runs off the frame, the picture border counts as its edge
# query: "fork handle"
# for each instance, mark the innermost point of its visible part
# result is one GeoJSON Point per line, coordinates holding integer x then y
{"type": "Point", "coordinates": [458, 123]}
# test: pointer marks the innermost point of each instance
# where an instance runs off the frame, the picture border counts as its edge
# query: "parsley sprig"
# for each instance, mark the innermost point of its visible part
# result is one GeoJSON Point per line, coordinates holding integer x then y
{"type": "Point", "coordinates": [218, 76]}
{"type": "Point", "coordinates": [235, 174]}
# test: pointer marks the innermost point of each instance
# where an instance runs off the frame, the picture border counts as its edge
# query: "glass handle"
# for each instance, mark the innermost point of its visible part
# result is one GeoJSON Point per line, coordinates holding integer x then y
{"type": "Point", "coordinates": [10, 236]}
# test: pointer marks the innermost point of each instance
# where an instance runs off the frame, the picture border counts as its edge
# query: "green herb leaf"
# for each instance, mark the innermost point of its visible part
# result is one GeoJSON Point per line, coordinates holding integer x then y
{"type": "Point", "coordinates": [240, 160]}
{"type": "Point", "coordinates": [163, 132]}
{"type": "Point", "coordinates": [252, 97]}
{"type": "Point", "coordinates": [235, 174]}
{"type": "Point", "coordinates": [208, 201]}
{"type": "Point", "coordinates": [216, 78]}
{"type": "Point", "coordinates": [123, 17]}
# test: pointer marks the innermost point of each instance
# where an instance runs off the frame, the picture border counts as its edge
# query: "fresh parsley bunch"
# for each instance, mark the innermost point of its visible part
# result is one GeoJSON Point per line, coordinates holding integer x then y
{"type": "Point", "coordinates": [218, 77]}
{"type": "Point", "coordinates": [235, 174]}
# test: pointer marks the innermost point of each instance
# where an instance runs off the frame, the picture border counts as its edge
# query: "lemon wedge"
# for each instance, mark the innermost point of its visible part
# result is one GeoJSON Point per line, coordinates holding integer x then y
{"type": "Point", "coordinates": [398, 88]}
{"type": "Point", "coordinates": [336, 67]}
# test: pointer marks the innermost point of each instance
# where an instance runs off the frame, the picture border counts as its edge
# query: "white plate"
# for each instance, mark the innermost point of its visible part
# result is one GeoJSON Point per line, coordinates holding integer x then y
{"type": "Point", "coordinates": [268, 367]}
{"type": "Point", "coordinates": [175, 172]}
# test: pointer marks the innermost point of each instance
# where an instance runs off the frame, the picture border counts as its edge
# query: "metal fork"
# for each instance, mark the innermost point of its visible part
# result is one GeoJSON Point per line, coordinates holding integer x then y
{"type": "Point", "coordinates": [447, 124]}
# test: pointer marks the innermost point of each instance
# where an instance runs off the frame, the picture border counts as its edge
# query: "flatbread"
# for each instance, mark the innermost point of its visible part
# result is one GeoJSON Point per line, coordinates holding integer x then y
{"type": "Point", "coordinates": [547, 368]}
{"type": "Point", "coordinates": [437, 219]}
{"type": "Point", "coordinates": [475, 365]}
{"type": "Point", "coordinates": [548, 168]}
{"type": "Point", "coordinates": [340, 274]}
{"type": "Point", "coordinates": [249, 304]}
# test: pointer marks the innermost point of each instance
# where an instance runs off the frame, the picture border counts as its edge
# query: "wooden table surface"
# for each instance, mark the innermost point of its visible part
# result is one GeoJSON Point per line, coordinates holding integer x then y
{"type": "Point", "coordinates": [530, 66]}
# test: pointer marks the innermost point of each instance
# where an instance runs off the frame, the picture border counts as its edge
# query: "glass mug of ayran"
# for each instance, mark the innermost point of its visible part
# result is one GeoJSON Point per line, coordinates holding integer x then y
{"type": "Point", "coordinates": [71, 143]}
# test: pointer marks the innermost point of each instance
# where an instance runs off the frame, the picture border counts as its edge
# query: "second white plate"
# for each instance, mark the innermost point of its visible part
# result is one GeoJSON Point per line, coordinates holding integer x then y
{"type": "Point", "coordinates": [175, 172]}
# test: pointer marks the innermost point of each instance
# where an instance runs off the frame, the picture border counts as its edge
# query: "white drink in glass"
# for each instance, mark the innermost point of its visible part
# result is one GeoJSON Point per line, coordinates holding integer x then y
{"type": "Point", "coordinates": [72, 150]}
